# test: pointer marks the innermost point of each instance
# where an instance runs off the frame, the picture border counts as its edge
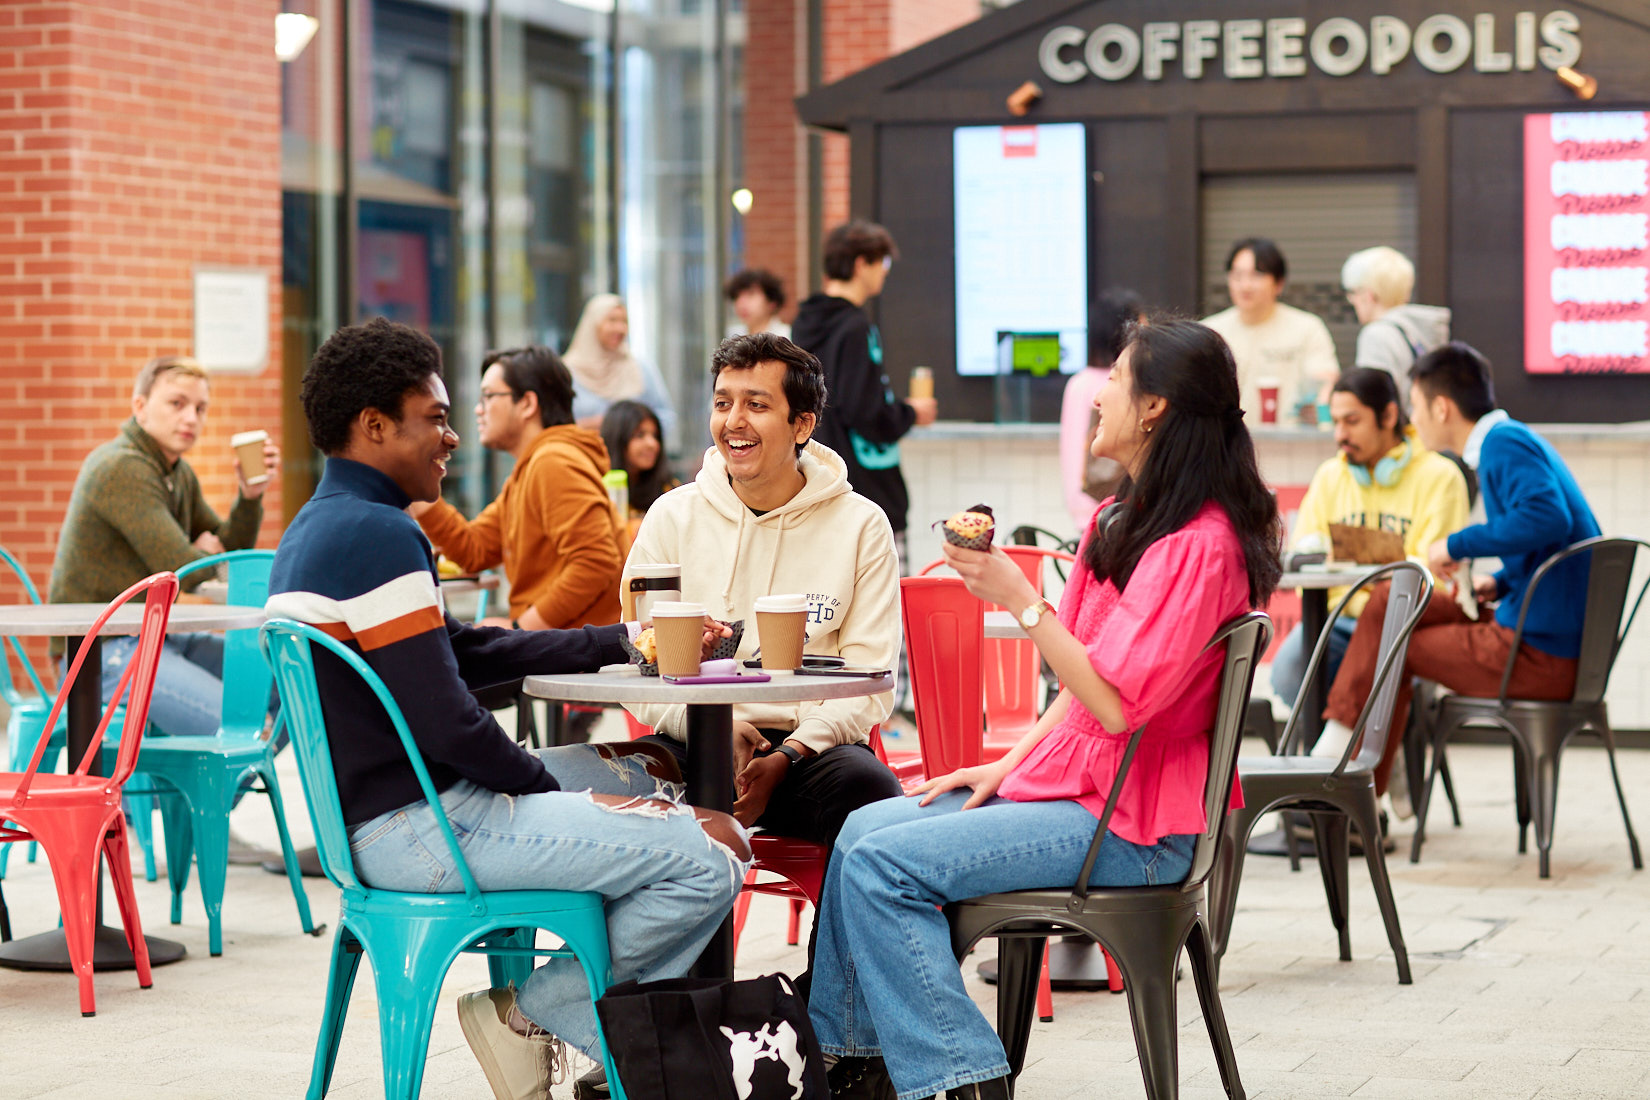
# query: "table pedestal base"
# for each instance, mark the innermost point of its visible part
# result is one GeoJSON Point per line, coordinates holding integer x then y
{"type": "Point", "coordinates": [1074, 963]}
{"type": "Point", "coordinates": [50, 951]}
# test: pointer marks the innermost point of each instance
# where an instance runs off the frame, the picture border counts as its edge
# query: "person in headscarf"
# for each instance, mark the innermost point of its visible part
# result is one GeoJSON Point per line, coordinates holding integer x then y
{"type": "Point", "coordinates": [604, 371]}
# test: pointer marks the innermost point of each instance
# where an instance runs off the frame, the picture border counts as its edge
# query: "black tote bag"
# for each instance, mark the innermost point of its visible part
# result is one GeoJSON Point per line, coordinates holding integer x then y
{"type": "Point", "coordinates": [707, 1039]}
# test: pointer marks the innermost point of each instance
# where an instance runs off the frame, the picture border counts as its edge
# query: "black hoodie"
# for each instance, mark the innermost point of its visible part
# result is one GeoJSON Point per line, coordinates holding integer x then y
{"type": "Point", "coordinates": [863, 420]}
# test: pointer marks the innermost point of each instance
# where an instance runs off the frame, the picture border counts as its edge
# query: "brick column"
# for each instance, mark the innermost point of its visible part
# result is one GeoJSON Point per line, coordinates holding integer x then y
{"type": "Point", "coordinates": [138, 139]}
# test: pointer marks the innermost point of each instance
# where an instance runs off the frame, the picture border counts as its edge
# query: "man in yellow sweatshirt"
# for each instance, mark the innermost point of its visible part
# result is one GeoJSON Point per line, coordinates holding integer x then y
{"type": "Point", "coordinates": [1382, 478]}
{"type": "Point", "coordinates": [772, 513]}
{"type": "Point", "coordinates": [552, 525]}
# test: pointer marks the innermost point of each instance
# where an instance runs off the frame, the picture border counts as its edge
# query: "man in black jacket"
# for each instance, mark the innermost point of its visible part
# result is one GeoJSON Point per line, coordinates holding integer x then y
{"type": "Point", "coordinates": [863, 420]}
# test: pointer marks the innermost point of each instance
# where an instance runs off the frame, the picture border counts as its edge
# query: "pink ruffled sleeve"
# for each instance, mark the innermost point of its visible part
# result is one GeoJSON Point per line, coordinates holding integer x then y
{"type": "Point", "coordinates": [1184, 587]}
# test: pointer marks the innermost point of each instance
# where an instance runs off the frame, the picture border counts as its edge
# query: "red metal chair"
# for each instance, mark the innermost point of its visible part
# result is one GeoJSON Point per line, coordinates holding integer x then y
{"type": "Point", "coordinates": [77, 817]}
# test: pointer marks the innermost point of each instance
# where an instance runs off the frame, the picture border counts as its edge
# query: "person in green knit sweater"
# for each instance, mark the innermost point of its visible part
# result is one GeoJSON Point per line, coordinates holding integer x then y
{"type": "Point", "coordinates": [137, 509]}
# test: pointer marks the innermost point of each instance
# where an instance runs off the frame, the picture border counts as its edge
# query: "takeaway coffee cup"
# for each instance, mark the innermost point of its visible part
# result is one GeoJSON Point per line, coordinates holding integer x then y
{"type": "Point", "coordinates": [922, 382]}
{"type": "Point", "coordinates": [249, 455]}
{"type": "Point", "coordinates": [1268, 400]}
{"type": "Point", "coordinates": [679, 631]}
{"type": "Point", "coordinates": [781, 622]}
{"type": "Point", "coordinates": [648, 585]}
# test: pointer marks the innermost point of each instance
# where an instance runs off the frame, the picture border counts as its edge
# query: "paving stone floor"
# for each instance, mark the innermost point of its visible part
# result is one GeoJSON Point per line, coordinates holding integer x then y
{"type": "Point", "coordinates": [1523, 988]}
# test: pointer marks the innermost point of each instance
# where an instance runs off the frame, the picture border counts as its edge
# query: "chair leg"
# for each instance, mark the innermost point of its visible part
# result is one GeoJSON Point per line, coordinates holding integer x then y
{"type": "Point", "coordinates": [1422, 799]}
{"type": "Point", "coordinates": [1148, 952]}
{"type": "Point", "coordinates": [742, 906]}
{"type": "Point", "coordinates": [1521, 795]}
{"type": "Point", "coordinates": [180, 849]}
{"type": "Point", "coordinates": [407, 1000]}
{"type": "Point", "coordinates": [1018, 963]}
{"type": "Point", "coordinates": [1544, 794]}
{"type": "Point", "coordinates": [140, 809]}
{"type": "Point", "coordinates": [1225, 877]}
{"type": "Point", "coordinates": [1367, 816]}
{"type": "Point", "coordinates": [1608, 736]}
{"type": "Point", "coordinates": [120, 874]}
{"type": "Point", "coordinates": [346, 960]}
{"type": "Point", "coordinates": [74, 873]}
{"type": "Point", "coordinates": [1045, 992]}
{"type": "Point", "coordinates": [5, 918]}
{"type": "Point", "coordinates": [1329, 832]}
{"type": "Point", "coordinates": [793, 924]}
{"type": "Point", "coordinates": [209, 819]}
{"type": "Point", "coordinates": [1449, 791]}
{"type": "Point", "coordinates": [1114, 976]}
{"type": "Point", "coordinates": [1214, 1016]}
{"type": "Point", "coordinates": [288, 856]}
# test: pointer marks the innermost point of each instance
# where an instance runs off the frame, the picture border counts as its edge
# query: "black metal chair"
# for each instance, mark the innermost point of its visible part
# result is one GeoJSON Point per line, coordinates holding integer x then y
{"type": "Point", "coordinates": [1028, 534]}
{"type": "Point", "coordinates": [1334, 793]}
{"type": "Point", "coordinates": [1143, 927]}
{"type": "Point", "coordinates": [1540, 729]}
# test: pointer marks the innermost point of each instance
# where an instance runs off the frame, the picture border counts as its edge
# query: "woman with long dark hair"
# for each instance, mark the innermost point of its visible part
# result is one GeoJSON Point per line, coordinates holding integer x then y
{"type": "Point", "coordinates": [636, 445]}
{"type": "Point", "coordinates": [1190, 541]}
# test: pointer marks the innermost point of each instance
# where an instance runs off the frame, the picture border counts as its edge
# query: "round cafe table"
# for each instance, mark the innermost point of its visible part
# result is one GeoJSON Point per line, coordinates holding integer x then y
{"type": "Point", "coordinates": [84, 709]}
{"type": "Point", "coordinates": [709, 770]}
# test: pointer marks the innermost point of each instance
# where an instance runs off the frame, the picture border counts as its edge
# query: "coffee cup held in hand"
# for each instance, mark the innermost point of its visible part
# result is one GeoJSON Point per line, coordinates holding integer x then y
{"type": "Point", "coordinates": [650, 584]}
{"type": "Point", "coordinates": [249, 455]}
{"type": "Point", "coordinates": [781, 625]}
{"type": "Point", "coordinates": [679, 631]}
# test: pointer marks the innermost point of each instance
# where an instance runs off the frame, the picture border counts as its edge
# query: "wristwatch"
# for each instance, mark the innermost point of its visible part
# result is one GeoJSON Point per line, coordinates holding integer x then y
{"type": "Point", "coordinates": [789, 752]}
{"type": "Point", "coordinates": [1033, 615]}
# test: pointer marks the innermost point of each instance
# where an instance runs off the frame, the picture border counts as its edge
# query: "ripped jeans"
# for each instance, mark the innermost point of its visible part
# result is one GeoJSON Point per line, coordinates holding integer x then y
{"type": "Point", "coordinates": [667, 884]}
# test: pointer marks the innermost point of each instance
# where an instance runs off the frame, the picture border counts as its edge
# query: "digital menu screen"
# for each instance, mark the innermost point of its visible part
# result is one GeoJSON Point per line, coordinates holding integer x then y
{"type": "Point", "coordinates": [1587, 242]}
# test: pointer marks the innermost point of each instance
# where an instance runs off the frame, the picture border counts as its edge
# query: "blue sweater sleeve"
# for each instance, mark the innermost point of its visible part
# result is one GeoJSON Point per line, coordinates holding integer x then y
{"type": "Point", "coordinates": [1523, 500]}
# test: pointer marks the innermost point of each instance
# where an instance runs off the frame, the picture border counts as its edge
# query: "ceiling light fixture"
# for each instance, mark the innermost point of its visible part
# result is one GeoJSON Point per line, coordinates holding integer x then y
{"type": "Point", "coordinates": [292, 33]}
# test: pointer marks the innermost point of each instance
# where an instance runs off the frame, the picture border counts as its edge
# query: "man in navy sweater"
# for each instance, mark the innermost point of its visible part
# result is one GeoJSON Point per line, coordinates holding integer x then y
{"type": "Point", "coordinates": [583, 817]}
{"type": "Point", "coordinates": [1532, 509]}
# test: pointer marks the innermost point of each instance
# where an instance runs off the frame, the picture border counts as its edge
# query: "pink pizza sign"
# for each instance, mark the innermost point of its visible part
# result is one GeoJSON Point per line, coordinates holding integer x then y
{"type": "Point", "coordinates": [1587, 243]}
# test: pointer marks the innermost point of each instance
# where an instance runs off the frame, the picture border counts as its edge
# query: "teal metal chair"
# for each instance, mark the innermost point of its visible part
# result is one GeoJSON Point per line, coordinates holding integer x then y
{"type": "Point", "coordinates": [198, 779]}
{"type": "Point", "coordinates": [26, 710]}
{"type": "Point", "coordinates": [412, 940]}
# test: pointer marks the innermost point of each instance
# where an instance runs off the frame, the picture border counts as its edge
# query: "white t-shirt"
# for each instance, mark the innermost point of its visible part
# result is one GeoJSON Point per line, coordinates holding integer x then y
{"type": "Point", "coordinates": [1292, 346]}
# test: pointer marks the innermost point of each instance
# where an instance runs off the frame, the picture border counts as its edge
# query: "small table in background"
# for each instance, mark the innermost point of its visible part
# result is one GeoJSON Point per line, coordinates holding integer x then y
{"type": "Point", "coordinates": [84, 710]}
{"type": "Point", "coordinates": [709, 770]}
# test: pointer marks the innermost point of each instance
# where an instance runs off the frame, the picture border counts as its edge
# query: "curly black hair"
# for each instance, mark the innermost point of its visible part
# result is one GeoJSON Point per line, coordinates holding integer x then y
{"type": "Point", "coordinates": [773, 288]}
{"type": "Point", "coordinates": [367, 366]}
{"type": "Point", "coordinates": [804, 376]}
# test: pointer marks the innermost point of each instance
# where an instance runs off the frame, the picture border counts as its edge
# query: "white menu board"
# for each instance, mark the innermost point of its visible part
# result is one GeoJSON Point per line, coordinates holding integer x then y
{"type": "Point", "coordinates": [1021, 240]}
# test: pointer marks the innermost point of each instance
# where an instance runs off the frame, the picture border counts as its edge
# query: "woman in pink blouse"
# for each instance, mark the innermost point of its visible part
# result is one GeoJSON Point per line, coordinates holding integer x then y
{"type": "Point", "coordinates": [1191, 541]}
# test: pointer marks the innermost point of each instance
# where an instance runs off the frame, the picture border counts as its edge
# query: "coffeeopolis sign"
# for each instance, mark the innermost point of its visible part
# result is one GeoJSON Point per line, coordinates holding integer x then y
{"type": "Point", "coordinates": [1242, 49]}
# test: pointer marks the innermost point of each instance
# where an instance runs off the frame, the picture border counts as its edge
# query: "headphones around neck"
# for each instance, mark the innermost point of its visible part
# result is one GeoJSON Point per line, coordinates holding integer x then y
{"type": "Point", "coordinates": [1387, 471]}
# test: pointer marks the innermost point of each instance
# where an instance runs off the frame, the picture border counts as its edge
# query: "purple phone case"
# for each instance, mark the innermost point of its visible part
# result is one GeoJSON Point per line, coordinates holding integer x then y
{"type": "Point", "coordinates": [747, 678]}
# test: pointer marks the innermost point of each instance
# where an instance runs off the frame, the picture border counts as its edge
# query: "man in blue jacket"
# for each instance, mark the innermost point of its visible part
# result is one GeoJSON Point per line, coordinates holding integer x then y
{"type": "Point", "coordinates": [1533, 508]}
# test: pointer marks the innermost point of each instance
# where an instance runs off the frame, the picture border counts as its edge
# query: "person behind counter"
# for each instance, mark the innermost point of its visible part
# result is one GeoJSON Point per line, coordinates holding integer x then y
{"type": "Point", "coordinates": [1378, 282]}
{"type": "Point", "coordinates": [1271, 340]}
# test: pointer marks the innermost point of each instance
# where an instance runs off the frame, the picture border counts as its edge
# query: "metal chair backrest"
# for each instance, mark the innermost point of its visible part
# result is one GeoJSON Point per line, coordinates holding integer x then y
{"type": "Point", "coordinates": [137, 685]}
{"type": "Point", "coordinates": [288, 647]}
{"type": "Point", "coordinates": [1246, 638]}
{"type": "Point", "coordinates": [8, 688]}
{"type": "Point", "coordinates": [1410, 593]}
{"type": "Point", "coordinates": [246, 675]}
{"type": "Point", "coordinates": [1607, 618]}
{"type": "Point", "coordinates": [945, 648]}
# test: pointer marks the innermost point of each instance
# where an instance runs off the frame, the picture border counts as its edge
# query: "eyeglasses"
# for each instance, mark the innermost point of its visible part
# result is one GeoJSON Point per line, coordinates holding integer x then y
{"type": "Point", "coordinates": [488, 395]}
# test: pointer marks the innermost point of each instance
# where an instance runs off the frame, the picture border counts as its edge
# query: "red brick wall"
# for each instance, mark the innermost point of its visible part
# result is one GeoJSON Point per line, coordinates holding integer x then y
{"type": "Point", "coordinates": [138, 138]}
{"type": "Point", "coordinates": [857, 33]}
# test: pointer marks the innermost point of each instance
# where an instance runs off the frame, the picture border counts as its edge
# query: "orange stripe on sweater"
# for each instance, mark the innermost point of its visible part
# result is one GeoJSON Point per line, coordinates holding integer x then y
{"type": "Point", "coordinates": [402, 626]}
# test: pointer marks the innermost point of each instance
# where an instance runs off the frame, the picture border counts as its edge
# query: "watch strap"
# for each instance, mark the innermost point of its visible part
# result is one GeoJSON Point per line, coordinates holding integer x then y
{"type": "Point", "coordinates": [790, 752]}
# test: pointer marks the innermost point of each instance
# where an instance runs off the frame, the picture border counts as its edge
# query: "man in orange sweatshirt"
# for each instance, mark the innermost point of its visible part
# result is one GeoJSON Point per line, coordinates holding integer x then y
{"type": "Point", "coordinates": [552, 525]}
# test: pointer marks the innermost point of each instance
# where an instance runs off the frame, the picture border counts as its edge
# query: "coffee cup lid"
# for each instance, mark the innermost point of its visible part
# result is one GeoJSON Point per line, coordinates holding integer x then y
{"type": "Point", "coordinates": [1267, 383]}
{"type": "Point", "coordinates": [242, 438]}
{"type": "Point", "coordinates": [676, 609]}
{"type": "Point", "coordinates": [781, 603]}
{"type": "Point", "coordinates": [659, 569]}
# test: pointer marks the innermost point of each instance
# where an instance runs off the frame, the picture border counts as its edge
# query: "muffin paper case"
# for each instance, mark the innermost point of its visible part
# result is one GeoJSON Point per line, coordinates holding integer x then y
{"type": "Point", "coordinates": [726, 648]}
{"type": "Point", "coordinates": [972, 530]}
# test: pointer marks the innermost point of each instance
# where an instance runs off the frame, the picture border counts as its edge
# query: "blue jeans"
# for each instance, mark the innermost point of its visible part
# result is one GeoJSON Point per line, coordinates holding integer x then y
{"type": "Point", "coordinates": [667, 883]}
{"type": "Point", "coordinates": [885, 981]}
{"type": "Point", "coordinates": [1289, 664]}
{"type": "Point", "coordinates": [188, 698]}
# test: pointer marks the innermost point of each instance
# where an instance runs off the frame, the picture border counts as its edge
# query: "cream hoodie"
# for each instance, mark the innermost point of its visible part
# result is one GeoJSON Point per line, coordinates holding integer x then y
{"type": "Point", "coordinates": [826, 542]}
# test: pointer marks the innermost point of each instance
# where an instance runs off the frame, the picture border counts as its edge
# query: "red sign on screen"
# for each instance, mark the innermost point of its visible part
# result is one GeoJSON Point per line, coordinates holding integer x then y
{"type": "Point", "coordinates": [1587, 243]}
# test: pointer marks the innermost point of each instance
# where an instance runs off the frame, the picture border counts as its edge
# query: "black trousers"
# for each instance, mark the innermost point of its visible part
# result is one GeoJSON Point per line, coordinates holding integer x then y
{"type": "Point", "coordinates": [818, 792]}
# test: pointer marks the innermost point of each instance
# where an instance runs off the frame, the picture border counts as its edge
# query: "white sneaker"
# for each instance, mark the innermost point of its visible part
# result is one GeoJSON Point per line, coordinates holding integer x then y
{"type": "Point", "coordinates": [1397, 786]}
{"type": "Point", "coordinates": [1333, 741]}
{"type": "Point", "coordinates": [518, 1067]}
